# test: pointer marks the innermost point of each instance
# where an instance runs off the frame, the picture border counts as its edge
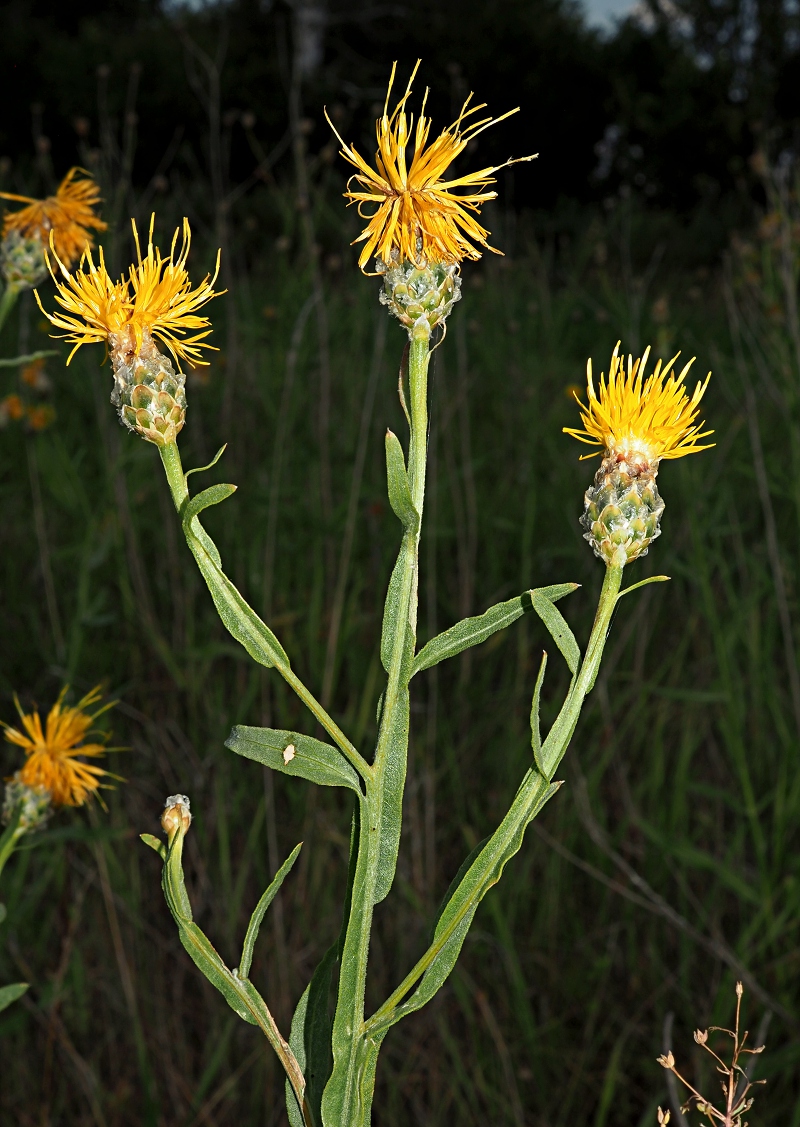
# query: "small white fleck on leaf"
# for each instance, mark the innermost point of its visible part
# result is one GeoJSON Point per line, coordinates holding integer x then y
{"type": "Point", "coordinates": [288, 753]}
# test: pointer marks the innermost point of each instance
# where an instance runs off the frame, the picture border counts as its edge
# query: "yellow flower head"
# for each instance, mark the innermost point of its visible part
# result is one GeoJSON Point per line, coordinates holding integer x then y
{"type": "Point", "coordinates": [156, 298]}
{"type": "Point", "coordinates": [638, 420]}
{"type": "Point", "coordinates": [61, 220]}
{"type": "Point", "coordinates": [52, 753]}
{"type": "Point", "coordinates": [415, 214]}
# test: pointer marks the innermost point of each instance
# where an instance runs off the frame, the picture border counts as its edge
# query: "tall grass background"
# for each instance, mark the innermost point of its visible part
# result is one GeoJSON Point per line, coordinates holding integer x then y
{"type": "Point", "coordinates": [667, 867]}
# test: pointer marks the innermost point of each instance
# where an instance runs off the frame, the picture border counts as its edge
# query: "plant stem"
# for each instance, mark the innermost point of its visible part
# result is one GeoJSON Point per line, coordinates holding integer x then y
{"type": "Point", "coordinates": [346, 1100]}
{"type": "Point", "coordinates": [7, 303]}
{"type": "Point", "coordinates": [8, 842]}
{"type": "Point", "coordinates": [587, 674]}
{"type": "Point", "coordinates": [171, 459]}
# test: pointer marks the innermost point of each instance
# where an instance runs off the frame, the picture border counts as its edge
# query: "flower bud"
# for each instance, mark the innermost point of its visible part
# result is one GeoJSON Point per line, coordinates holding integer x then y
{"type": "Point", "coordinates": [622, 511]}
{"type": "Point", "coordinates": [22, 260]}
{"type": "Point", "coordinates": [29, 806]}
{"type": "Point", "coordinates": [176, 816]}
{"type": "Point", "coordinates": [148, 393]}
{"type": "Point", "coordinates": [420, 297]}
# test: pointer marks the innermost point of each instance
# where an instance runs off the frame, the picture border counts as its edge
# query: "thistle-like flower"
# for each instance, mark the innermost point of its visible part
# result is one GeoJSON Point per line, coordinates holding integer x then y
{"type": "Point", "coordinates": [420, 227]}
{"type": "Point", "coordinates": [64, 219]}
{"type": "Point", "coordinates": [156, 302]}
{"type": "Point", "coordinates": [54, 767]}
{"type": "Point", "coordinates": [636, 422]}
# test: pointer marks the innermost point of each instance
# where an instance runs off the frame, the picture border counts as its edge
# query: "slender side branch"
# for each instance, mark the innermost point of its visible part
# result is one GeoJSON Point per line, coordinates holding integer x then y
{"type": "Point", "coordinates": [171, 459]}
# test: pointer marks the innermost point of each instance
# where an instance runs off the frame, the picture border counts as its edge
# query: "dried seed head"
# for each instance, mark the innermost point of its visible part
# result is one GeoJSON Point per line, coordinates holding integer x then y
{"type": "Point", "coordinates": [667, 1060]}
{"type": "Point", "coordinates": [701, 1036]}
{"type": "Point", "coordinates": [663, 1117]}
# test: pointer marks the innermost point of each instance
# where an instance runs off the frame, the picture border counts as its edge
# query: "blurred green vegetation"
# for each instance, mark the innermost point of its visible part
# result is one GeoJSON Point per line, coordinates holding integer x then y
{"type": "Point", "coordinates": [667, 867]}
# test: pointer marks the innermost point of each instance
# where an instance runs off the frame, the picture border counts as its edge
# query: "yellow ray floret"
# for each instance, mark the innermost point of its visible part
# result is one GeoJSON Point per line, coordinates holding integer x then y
{"type": "Point", "coordinates": [62, 219]}
{"type": "Point", "coordinates": [640, 418]}
{"type": "Point", "coordinates": [53, 751]}
{"type": "Point", "coordinates": [157, 297]}
{"type": "Point", "coordinates": [415, 214]}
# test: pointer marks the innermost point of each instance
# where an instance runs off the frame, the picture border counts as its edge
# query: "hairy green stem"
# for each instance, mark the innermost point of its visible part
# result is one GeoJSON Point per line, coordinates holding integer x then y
{"type": "Point", "coordinates": [346, 1099]}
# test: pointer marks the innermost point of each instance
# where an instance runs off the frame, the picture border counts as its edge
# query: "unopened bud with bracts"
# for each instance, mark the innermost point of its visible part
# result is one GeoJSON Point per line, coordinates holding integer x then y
{"type": "Point", "coordinates": [148, 393]}
{"type": "Point", "coordinates": [22, 261]}
{"type": "Point", "coordinates": [622, 512]}
{"type": "Point", "coordinates": [636, 422]}
{"type": "Point", "coordinates": [177, 815]}
{"type": "Point", "coordinates": [28, 808]}
{"type": "Point", "coordinates": [420, 296]}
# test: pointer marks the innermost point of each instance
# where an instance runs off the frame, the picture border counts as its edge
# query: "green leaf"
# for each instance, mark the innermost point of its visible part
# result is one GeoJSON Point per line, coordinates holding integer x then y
{"type": "Point", "coordinates": [237, 616]}
{"type": "Point", "coordinates": [211, 496]}
{"type": "Point", "coordinates": [193, 507]}
{"type": "Point", "coordinates": [155, 843]}
{"type": "Point", "coordinates": [473, 631]}
{"type": "Point", "coordinates": [391, 815]}
{"type": "Point", "coordinates": [399, 488]}
{"type": "Point", "coordinates": [258, 915]}
{"type": "Point", "coordinates": [9, 994]}
{"type": "Point", "coordinates": [208, 961]}
{"type": "Point", "coordinates": [395, 613]}
{"type": "Point", "coordinates": [536, 733]}
{"type": "Point", "coordinates": [213, 462]}
{"type": "Point", "coordinates": [643, 583]}
{"type": "Point", "coordinates": [294, 754]}
{"type": "Point", "coordinates": [466, 865]}
{"type": "Point", "coordinates": [451, 930]}
{"type": "Point", "coordinates": [310, 1039]}
{"type": "Point", "coordinates": [543, 600]}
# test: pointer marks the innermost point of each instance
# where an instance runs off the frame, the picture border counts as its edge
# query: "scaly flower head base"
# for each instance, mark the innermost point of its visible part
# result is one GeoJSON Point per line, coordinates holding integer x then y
{"type": "Point", "coordinates": [155, 303]}
{"type": "Point", "coordinates": [64, 218]}
{"type": "Point", "coordinates": [415, 215]}
{"type": "Point", "coordinates": [636, 422]}
{"type": "Point", "coordinates": [54, 752]}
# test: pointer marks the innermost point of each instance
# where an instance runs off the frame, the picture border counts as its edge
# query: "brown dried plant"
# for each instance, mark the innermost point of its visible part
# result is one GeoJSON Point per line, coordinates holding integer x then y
{"type": "Point", "coordinates": [736, 1083]}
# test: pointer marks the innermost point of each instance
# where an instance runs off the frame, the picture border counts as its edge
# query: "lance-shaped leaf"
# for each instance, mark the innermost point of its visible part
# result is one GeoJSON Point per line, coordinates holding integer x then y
{"type": "Point", "coordinates": [395, 613]}
{"type": "Point", "coordinates": [397, 482]}
{"type": "Point", "coordinates": [391, 814]}
{"type": "Point", "coordinates": [438, 961]}
{"type": "Point", "coordinates": [260, 910]}
{"type": "Point", "coordinates": [536, 731]}
{"type": "Point", "coordinates": [294, 754]}
{"type": "Point", "coordinates": [473, 631]}
{"type": "Point", "coordinates": [10, 993]}
{"type": "Point", "coordinates": [556, 624]}
{"type": "Point", "coordinates": [237, 615]}
{"type": "Point", "coordinates": [310, 1039]}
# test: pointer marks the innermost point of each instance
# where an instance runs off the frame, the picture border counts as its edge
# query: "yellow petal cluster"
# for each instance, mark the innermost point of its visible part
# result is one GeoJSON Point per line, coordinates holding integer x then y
{"type": "Point", "coordinates": [62, 220]}
{"type": "Point", "coordinates": [637, 419]}
{"type": "Point", "coordinates": [54, 752]}
{"type": "Point", "coordinates": [413, 214]}
{"type": "Point", "coordinates": [157, 296]}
